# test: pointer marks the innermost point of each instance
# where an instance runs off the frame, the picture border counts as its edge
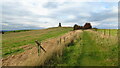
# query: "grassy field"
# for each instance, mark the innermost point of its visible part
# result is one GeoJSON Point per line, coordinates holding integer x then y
{"type": "Point", "coordinates": [112, 32]}
{"type": "Point", "coordinates": [89, 50]}
{"type": "Point", "coordinates": [12, 41]}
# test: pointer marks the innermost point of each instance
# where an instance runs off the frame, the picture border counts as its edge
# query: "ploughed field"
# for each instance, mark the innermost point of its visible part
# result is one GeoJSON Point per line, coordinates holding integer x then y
{"type": "Point", "coordinates": [77, 48]}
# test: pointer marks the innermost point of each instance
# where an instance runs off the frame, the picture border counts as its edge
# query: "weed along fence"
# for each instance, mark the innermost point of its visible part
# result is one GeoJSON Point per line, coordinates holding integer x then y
{"type": "Point", "coordinates": [106, 35]}
{"type": "Point", "coordinates": [106, 38]}
{"type": "Point", "coordinates": [43, 50]}
{"type": "Point", "coordinates": [109, 32]}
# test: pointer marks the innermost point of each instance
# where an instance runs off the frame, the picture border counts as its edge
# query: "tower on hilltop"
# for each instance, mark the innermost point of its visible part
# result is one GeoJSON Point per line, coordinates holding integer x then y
{"type": "Point", "coordinates": [59, 25]}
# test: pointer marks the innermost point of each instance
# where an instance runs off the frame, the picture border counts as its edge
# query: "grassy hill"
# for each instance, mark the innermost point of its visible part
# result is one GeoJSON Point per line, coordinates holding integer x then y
{"type": "Point", "coordinates": [89, 48]}
{"type": "Point", "coordinates": [13, 40]}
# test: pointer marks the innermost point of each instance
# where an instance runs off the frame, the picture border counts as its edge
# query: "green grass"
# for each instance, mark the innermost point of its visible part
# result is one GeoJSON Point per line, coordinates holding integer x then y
{"type": "Point", "coordinates": [13, 40]}
{"type": "Point", "coordinates": [14, 51]}
{"type": "Point", "coordinates": [89, 52]}
{"type": "Point", "coordinates": [113, 32]}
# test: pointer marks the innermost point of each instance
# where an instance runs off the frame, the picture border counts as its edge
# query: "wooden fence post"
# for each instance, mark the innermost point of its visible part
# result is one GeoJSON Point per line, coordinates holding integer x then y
{"type": "Point", "coordinates": [64, 39]}
{"type": "Point", "coordinates": [60, 41]}
{"type": "Point", "coordinates": [57, 42]}
{"type": "Point", "coordinates": [39, 47]}
{"type": "Point", "coordinates": [104, 31]}
{"type": "Point", "coordinates": [109, 32]}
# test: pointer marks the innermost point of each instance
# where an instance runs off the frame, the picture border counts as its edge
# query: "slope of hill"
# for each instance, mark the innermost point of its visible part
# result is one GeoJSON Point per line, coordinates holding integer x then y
{"type": "Point", "coordinates": [14, 42]}
{"type": "Point", "coordinates": [52, 46]}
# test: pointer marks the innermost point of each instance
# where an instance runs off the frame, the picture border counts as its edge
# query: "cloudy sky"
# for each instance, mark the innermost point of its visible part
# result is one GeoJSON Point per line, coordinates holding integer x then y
{"type": "Point", "coordinates": [36, 14]}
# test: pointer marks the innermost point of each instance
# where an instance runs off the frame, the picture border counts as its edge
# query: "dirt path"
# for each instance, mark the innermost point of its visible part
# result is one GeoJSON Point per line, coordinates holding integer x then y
{"type": "Point", "coordinates": [30, 57]}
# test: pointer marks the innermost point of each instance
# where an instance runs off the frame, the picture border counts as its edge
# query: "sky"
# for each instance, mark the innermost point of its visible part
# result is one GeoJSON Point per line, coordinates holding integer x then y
{"type": "Point", "coordinates": [37, 14]}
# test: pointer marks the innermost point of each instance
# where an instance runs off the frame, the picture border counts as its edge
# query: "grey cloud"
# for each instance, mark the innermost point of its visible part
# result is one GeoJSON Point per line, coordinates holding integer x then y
{"type": "Point", "coordinates": [51, 5]}
{"type": "Point", "coordinates": [14, 9]}
{"type": "Point", "coordinates": [102, 15]}
{"type": "Point", "coordinates": [95, 16]}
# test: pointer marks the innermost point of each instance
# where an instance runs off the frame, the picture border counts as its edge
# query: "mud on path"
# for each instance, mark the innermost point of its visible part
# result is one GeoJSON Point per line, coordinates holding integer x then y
{"type": "Point", "coordinates": [30, 56]}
